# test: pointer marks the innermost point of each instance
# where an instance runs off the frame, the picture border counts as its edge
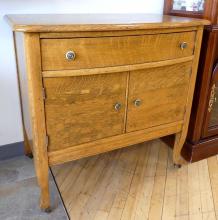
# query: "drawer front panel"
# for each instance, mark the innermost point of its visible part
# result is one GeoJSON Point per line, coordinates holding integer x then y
{"type": "Point", "coordinates": [82, 109]}
{"type": "Point", "coordinates": [157, 96]}
{"type": "Point", "coordinates": [114, 51]}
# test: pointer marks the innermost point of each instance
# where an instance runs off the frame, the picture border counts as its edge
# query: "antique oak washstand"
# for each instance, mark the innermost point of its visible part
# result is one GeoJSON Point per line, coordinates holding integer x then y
{"type": "Point", "coordinates": [94, 83]}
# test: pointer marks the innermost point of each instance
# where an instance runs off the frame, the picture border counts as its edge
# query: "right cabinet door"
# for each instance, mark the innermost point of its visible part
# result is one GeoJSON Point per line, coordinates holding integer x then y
{"type": "Point", "coordinates": [157, 96]}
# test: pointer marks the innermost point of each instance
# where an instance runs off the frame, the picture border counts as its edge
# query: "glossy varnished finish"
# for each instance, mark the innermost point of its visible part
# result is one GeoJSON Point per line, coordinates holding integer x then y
{"type": "Point", "coordinates": [159, 90]}
{"type": "Point", "coordinates": [200, 143]}
{"type": "Point", "coordinates": [114, 51]}
{"type": "Point", "coordinates": [35, 104]}
{"type": "Point", "coordinates": [82, 109]}
{"type": "Point", "coordinates": [97, 22]}
{"type": "Point", "coordinates": [112, 94]}
{"type": "Point", "coordinates": [112, 143]}
{"type": "Point", "coordinates": [202, 139]}
{"type": "Point", "coordinates": [23, 89]}
{"type": "Point", "coordinates": [115, 69]}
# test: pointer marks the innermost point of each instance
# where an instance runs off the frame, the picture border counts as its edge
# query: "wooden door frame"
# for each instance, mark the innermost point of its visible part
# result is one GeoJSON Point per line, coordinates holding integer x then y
{"type": "Point", "coordinates": [210, 130]}
{"type": "Point", "coordinates": [210, 12]}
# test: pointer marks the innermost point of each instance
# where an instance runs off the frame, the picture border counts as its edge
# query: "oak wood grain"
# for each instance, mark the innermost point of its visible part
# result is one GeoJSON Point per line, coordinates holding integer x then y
{"type": "Point", "coordinates": [76, 34]}
{"type": "Point", "coordinates": [162, 92]}
{"type": "Point", "coordinates": [82, 109]}
{"type": "Point", "coordinates": [97, 22]}
{"type": "Point", "coordinates": [112, 143]}
{"type": "Point", "coordinates": [114, 69]}
{"type": "Point", "coordinates": [179, 144]}
{"type": "Point", "coordinates": [78, 112]}
{"type": "Point", "coordinates": [37, 115]}
{"type": "Point", "coordinates": [23, 91]}
{"type": "Point", "coordinates": [114, 51]}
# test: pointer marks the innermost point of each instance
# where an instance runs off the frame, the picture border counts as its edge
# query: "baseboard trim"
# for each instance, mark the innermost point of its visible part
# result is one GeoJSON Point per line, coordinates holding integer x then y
{"type": "Point", "coordinates": [201, 150]}
{"type": "Point", "coordinates": [11, 150]}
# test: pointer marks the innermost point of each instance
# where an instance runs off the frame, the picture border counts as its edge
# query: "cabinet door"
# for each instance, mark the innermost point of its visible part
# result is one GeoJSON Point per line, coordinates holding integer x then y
{"type": "Point", "coordinates": [157, 96]}
{"type": "Point", "coordinates": [84, 108]}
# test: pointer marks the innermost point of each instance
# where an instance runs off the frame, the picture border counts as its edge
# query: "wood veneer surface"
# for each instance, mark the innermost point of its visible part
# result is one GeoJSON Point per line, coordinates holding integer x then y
{"type": "Point", "coordinates": [97, 22]}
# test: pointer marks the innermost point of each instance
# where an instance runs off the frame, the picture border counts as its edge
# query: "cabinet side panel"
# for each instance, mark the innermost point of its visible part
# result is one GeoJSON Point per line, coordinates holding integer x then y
{"type": "Point", "coordinates": [181, 137]}
{"type": "Point", "coordinates": [23, 87]}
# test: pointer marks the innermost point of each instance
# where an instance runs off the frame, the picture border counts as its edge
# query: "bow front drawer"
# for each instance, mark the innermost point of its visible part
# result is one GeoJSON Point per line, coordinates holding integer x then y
{"type": "Point", "coordinates": [79, 53]}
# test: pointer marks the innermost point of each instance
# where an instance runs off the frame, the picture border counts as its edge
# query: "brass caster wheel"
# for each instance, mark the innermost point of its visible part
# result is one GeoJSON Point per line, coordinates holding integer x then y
{"type": "Point", "coordinates": [177, 165]}
{"type": "Point", "coordinates": [30, 155]}
{"type": "Point", "coordinates": [47, 210]}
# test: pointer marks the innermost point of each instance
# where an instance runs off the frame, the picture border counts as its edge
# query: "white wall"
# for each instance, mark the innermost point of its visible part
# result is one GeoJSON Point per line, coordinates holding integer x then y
{"type": "Point", "coordinates": [10, 118]}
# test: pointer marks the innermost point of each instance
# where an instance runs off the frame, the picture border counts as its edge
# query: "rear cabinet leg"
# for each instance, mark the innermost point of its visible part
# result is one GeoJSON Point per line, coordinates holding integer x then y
{"type": "Point", "coordinates": [179, 142]}
{"type": "Point", "coordinates": [27, 148]}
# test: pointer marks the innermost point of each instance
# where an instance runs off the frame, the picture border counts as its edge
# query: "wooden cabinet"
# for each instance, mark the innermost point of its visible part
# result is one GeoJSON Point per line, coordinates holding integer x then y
{"type": "Point", "coordinates": [157, 96]}
{"type": "Point", "coordinates": [202, 138]}
{"type": "Point", "coordinates": [150, 97]}
{"type": "Point", "coordinates": [95, 87]}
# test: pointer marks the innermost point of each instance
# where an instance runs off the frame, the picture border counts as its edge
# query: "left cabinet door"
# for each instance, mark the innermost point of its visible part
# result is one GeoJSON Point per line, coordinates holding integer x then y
{"type": "Point", "coordinates": [80, 109]}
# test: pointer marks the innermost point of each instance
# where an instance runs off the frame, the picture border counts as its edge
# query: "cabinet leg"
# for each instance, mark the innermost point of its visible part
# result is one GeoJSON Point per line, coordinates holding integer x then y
{"type": "Point", "coordinates": [42, 173]}
{"type": "Point", "coordinates": [27, 148]}
{"type": "Point", "coordinates": [44, 197]}
{"type": "Point", "coordinates": [179, 142]}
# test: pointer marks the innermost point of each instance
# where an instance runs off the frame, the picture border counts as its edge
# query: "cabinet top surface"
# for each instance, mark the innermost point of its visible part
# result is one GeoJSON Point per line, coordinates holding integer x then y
{"type": "Point", "coordinates": [97, 22]}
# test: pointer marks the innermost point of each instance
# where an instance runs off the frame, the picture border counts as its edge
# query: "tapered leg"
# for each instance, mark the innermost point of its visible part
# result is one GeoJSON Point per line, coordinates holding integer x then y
{"type": "Point", "coordinates": [37, 114]}
{"type": "Point", "coordinates": [44, 196]}
{"type": "Point", "coordinates": [42, 173]}
{"type": "Point", "coordinates": [27, 148]}
{"type": "Point", "coordinates": [179, 142]}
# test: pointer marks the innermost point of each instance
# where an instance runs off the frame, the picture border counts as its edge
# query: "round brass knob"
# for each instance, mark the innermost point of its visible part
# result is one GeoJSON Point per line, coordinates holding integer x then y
{"type": "Point", "coordinates": [70, 55]}
{"type": "Point", "coordinates": [117, 106]}
{"type": "Point", "coordinates": [137, 102]}
{"type": "Point", "coordinates": [183, 45]}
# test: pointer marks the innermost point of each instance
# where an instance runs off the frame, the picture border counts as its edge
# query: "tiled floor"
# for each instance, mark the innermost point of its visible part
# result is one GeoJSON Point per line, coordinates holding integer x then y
{"type": "Point", "coordinates": [19, 193]}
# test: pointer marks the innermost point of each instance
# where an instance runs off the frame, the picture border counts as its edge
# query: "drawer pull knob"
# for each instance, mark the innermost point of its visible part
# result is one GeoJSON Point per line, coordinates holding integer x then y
{"type": "Point", "coordinates": [137, 102]}
{"type": "Point", "coordinates": [117, 106]}
{"type": "Point", "coordinates": [70, 55]}
{"type": "Point", "coordinates": [183, 45]}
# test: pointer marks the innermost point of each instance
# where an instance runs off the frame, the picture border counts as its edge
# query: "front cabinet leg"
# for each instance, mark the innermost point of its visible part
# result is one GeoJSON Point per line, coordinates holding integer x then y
{"type": "Point", "coordinates": [37, 113]}
{"type": "Point", "coordinates": [42, 173]}
{"type": "Point", "coordinates": [179, 142]}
